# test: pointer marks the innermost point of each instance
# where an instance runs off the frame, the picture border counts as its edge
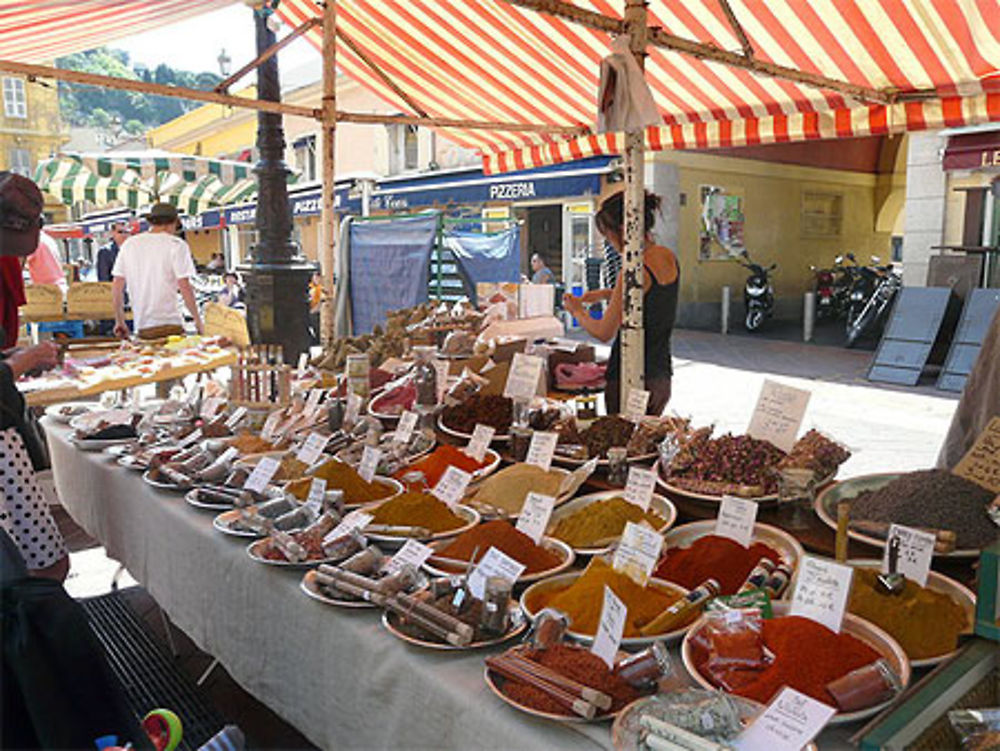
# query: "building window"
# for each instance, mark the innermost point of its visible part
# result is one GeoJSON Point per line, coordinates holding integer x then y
{"type": "Point", "coordinates": [411, 150]}
{"type": "Point", "coordinates": [305, 157]}
{"type": "Point", "coordinates": [15, 103]}
{"type": "Point", "coordinates": [20, 162]}
{"type": "Point", "coordinates": [822, 214]}
{"type": "Point", "coordinates": [404, 148]}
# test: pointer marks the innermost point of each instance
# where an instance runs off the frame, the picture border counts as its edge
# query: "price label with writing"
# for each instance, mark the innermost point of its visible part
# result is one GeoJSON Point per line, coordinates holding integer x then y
{"type": "Point", "coordinates": [523, 377]}
{"type": "Point", "coordinates": [572, 482]}
{"type": "Point", "coordinates": [639, 487]}
{"type": "Point", "coordinates": [270, 425]}
{"type": "Point", "coordinates": [370, 457]}
{"type": "Point", "coordinates": [480, 441]}
{"type": "Point", "coordinates": [821, 591]}
{"type": "Point", "coordinates": [228, 455]}
{"type": "Point", "coordinates": [778, 414]}
{"type": "Point", "coordinates": [210, 406]}
{"type": "Point", "coordinates": [635, 404]}
{"type": "Point", "coordinates": [353, 409]}
{"type": "Point", "coordinates": [451, 487]}
{"type": "Point", "coordinates": [610, 628]}
{"type": "Point", "coordinates": [314, 398]}
{"type": "Point", "coordinates": [494, 563]}
{"type": "Point", "coordinates": [262, 474]}
{"type": "Point", "coordinates": [193, 437]}
{"type": "Point", "coordinates": [637, 552]}
{"type": "Point", "coordinates": [412, 553]}
{"type": "Point", "coordinates": [736, 519]}
{"type": "Point", "coordinates": [355, 520]}
{"type": "Point", "coordinates": [193, 394]}
{"type": "Point", "coordinates": [236, 418]}
{"type": "Point", "coordinates": [535, 513]}
{"type": "Point", "coordinates": [317, 491]}
{"type": "Point", "coordinates": [916, 549]}
{"type": "Point", "coordinates": [442, 368]}
{"type": "Point", "coordinates": [404, 430]}
{"type": "Point", "coordinates": [789, 723]}
{"type": "Point", "coordinates": [312, 449]}
{"type": "Point", "coordinates": [303, 363]}
{"type": "Point", "coordinates": [542, 448]}
{"type": "Point", "coordinates": [981, 463]}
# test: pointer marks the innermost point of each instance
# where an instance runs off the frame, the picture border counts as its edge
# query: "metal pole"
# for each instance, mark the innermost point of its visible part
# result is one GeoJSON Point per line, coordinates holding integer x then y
{"type": "Point", "coordinates": [329, 220]}
{"type": "Point", "coordinates": [808, 316]}
{"type": "Point", "coordinates": [632, 335]}
{"type": "Point", "coordinates": [727, 297]}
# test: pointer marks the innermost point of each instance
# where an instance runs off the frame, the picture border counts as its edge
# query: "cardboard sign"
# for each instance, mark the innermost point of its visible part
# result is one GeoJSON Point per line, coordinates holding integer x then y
{"type": "Point", "coordinates": [353, 409]}
{"type": "Point", "coordinates": [981, 463]}
{"type": "Point", "coordinates": [192, 437]}
{"type": "Point", "coordinates": [442, 369]}
{"type": "Point", "coordinates": [317, 491]}
{"type": "Point", "coordinates": [228, 455]}
{"type": "Point", "coordinates": [451, 487]}
{"type": "Point", "coordinates": [314, 398]}
{"type": "Point", "coordinates": [267, 432]}
{"type": "Point", "coordinates": [778, 414]}
{"type": "Point", "coordinates": [262, 474]}
{"type": "Point", "coordinates": [534, 516]}
{"type": "Point", "coordinates": [312, 449]}
{"type": "Point", "coordinates": [541, 449]}
{"type": "Point", "coordinates": [221, 320]}
{"type": "Point", "coordinates": [355, 520]}
{"type": "Point", "coordinates": [404, 429]}
{"type": "Point", "coordinates": [210, 406]}
{"type": "Point", "coordinates": [412, 553]}
{"type": "Point", "coordinates": [635, 404]}
{"type": "Point", "coordinates": [610, 628]}
{"type": "Point", "coordinates": [789, 723]}
{"type": "Point", "coordinates": [303, 364]}
{"type": "Point", "coordinates": [236, 418]}
{"type": "Point", "coordinates": [482, 435]}
{"type": "Point", "coordinates": [916, 549]}
{"type": "Point", "coordinates": [370, 457]}
{"type": "Point", "coordinates": [572, 482]}
{"type": "Point", "coordinates": [494, 563]}
{"type": "Point", "coordinates": [524, 377]}
{"type": "Point", "coordinates": [736, 519]}
{"type": "Point", "coordinates": [638, 552]}
{"type": "Point", "coordinates": [821, 591]}
{"type": "Point", "coordinates": [639, 487]}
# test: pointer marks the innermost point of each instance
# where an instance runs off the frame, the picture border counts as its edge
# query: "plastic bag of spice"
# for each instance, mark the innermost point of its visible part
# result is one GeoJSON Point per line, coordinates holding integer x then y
{"type": "Point", "coordinates": [735, 640]}
{"type": "Point", "coordinates": [977, 729]}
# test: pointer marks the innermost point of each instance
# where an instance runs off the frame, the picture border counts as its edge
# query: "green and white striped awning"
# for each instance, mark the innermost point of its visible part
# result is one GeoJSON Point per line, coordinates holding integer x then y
{"type": "Point", "coordinates": [192, 183]}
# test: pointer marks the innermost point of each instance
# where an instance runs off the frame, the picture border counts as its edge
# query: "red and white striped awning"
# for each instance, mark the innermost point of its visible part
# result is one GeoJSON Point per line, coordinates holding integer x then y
{"type": "Point", "coordinates": [491, 60]}
{"type": "Point", "coordinates": [36, 31]}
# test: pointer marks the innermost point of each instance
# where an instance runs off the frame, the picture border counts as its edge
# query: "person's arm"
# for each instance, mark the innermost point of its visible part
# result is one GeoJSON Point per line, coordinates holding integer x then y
{"type": "Point", "coordinates": [42, 356]}
{"type": "Point", "coordinates": [187, 292]}
{"type": "Point", "coordinates": [605, 328]}
{"type": "Point", "coordinates": [118, 300]}
{"type": "Point", "coordinates": [596, 295]}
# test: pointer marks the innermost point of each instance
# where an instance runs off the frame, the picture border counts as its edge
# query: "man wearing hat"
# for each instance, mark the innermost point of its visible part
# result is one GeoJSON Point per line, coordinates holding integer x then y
{"type": "Point", "coordinates": [155, 266]}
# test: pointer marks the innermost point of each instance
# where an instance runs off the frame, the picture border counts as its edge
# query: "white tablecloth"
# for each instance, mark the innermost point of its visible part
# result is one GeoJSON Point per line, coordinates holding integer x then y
{"type": "Point", "coordinates": [334, 674]}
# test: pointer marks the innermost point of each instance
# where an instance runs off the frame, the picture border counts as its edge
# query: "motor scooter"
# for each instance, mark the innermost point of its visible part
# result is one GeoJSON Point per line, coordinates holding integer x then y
{"type": "Point", "coordinates": [758, 293]}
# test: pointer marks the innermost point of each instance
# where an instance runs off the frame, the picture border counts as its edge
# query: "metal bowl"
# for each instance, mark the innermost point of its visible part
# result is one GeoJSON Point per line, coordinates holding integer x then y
{"type": "Point", "coordinates": [438, 566]}
{"type": "Point", "coordinates": [470, 515]}
{"type": "Point", "coordinates": [659, 505]}
{"type": "Point", "coordinates": [518, 624]}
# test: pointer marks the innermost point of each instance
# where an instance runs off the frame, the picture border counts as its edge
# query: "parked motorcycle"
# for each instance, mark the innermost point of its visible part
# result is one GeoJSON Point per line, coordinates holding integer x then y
{"type": "Point", "coordinates": [866, 311]}
{"type": "Point", "coordinates": [758, 293]}
{"type": "Point", "coordinates": [823, 286]}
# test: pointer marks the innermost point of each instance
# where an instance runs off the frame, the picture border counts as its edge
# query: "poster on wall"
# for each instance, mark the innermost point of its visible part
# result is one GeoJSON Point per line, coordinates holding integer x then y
{"type": "Point", "coordinates": [722, 224]}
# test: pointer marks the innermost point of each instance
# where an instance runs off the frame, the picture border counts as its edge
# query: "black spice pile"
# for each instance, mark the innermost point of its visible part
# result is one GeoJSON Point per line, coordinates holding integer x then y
{"type": "Point", "coordinates": [936, 499]}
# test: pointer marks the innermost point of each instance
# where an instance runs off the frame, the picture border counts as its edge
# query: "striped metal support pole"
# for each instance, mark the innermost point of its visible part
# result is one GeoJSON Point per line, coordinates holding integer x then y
{"type": "Point", "coordinates": [632, 334]}
{"type": "Point", "coordinates": [330, 221]}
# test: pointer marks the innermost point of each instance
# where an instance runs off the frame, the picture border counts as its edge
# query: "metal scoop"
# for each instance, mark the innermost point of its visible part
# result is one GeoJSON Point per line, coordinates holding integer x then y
{"type": "Point", "coordinates": [893, 582]}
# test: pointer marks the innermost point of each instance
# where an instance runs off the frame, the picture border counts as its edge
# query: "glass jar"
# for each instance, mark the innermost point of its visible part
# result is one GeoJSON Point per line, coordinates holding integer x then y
{"type": "Point", "coordinates": [425, 377]}
{"type": "Point", "coordinates": [796, 493]}
{"type": "Point", "coordinates": [496, 602]}
{"type": "Point", "coordinates": [520, 440]}
{"type": "Point", "coordinates": [415, 482]}
{"type": "Point", "coordinates": [647, 668]}
{"type": "Point", "coordinates": [549, 628]}
{"type": "Point", "coordinates": [865, 687]}
{"type": "Point", "coordinates": [617, 465]}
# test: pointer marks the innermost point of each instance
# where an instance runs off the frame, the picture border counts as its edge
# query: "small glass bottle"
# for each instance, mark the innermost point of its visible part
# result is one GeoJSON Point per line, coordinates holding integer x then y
{"type": "Point", "coordinates": [425, 378]}
{"type": "Point", "coordinates": [414, 481]}
{"type": "Point", "coordinates": [520, 440]}
{"type": "Point", "coordinates": [496, 603]}
{"type": "Point", "coordinates": [865, 687]}
{"type": "Point", "coordinates": [645, 670]}
{"type": "Point", "coordinates": [549, 628]}
{"type": "Point", "coordinates": [617, 465]}
{"type": "Point", "coordinates": [675, 616]}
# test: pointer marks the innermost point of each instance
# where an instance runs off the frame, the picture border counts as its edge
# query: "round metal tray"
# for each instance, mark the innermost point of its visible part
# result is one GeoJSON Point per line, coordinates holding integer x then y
{"type": "Point", "coordinates": [518, 623]}
{"type": "Point", "coordinates": [658, 504]}
{"type": "Point", "coordinates": [438, 567]}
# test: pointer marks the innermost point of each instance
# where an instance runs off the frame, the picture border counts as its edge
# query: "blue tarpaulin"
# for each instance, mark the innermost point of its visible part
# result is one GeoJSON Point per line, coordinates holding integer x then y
{"type": "Point", "coordinates": [494, 257]}
{"type": "Point", "coordinates": [389, 267]}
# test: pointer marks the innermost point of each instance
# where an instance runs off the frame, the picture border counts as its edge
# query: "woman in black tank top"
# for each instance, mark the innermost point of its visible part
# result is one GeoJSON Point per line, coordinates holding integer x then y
{"type": "Point", "coordinates": [661, 279]}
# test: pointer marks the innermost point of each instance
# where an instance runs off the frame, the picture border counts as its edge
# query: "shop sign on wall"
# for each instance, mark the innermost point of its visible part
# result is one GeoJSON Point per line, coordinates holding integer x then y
{"type": "Point", "coordinates": [722, 224]}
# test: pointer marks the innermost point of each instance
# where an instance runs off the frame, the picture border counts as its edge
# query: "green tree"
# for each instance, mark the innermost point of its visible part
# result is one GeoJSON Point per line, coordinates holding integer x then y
{"type": "Point", "coordinates": [100, 118]}
{"type": "Point", "coordinates": [134, 127]}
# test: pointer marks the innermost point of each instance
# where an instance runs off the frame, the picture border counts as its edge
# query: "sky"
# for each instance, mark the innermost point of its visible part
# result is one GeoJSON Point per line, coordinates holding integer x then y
{"type": "Point", "coordinates": [195, 44]}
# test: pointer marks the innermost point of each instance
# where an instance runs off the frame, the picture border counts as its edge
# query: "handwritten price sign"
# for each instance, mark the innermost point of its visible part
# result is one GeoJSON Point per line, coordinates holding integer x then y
{"type": "Point", "coordinates": [821, 591]}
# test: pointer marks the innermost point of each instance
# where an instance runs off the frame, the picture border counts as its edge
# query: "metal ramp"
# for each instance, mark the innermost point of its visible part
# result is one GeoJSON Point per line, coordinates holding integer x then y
{"type": "Point", "coordinates": [976, 317]}
{"type": "Point", "coordinates": [914, 326]}
{"type": "Point", "coordinates": [149, 676]}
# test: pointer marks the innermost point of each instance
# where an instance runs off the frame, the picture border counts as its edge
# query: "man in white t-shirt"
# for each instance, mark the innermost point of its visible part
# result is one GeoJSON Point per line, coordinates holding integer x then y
{"type": "Point", "coordinates": [155, 266]}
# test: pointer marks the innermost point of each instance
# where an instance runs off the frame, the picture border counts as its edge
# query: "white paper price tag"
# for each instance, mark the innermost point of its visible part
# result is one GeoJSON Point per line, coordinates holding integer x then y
{"type": "Point", "coordinates": [317, 491]}
{"type": "Point", "coordinates": [523, 377]}
{"type": "Point", "coordinates": [442, 368]}
{"type": "Point", "coordinates": [210, 406]}
{"type": "Point", "coordinates": [638, 552]}
{"type": "Point", "coordinates": [370, 457]}
{"type": "Point", "coordinates": [262, 474]}
{"type": "Point", "coordinates": [635, 404]}
{"type": "Point", "coordinates": [404, 430]}
{"type": "Point", "coordinates": [236, 418]}
{"type": "Point", "coordinates": [778, 414]}
{"type": "Point", "coordinates": [303, 364]}
{"type": "Point", "coordinates": [821, 591]}
{"type": "Point", "coordinates": [413, 553]}
{"type": "Point", "coordinates": [480, 441]}
{"type": "Point", "coordinates": [353, 409]}
{"type": "Point", "coordinates": [354, 520]}
{"type": "Point", "coordinates": [228, 455]}
{"type": "Point", "coordinates": [193, 437]}
{"type": "Point", "coordinates": [736, 519]}
{"type": "Point", "coordinates": [916, 549]}
{"type": "Point", "coordinates": [451, 487]}
{"type": "Point", "coordinates": [610, 628]}
{"type": "Point", "coordinates": [640, 485]}
{"type": "Point", "coordinates": [542, 448]}
{"type": "Point", "coordinates": [494, 563]}
{"type": "Point", "coordinates": [270, 424]}
{"type": "Point", "coordinates": [193, 394]}
{"type": "Point", "coordinates": [314, 398]}
{"type": "Point", "coordinates": [312, 449]}
{"type": "Point", "coordinates": [789, 723]}
{"type": "Point", "coordinates": [572, 482]}
{"type": "Point", "coordinates": [535, 513]}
